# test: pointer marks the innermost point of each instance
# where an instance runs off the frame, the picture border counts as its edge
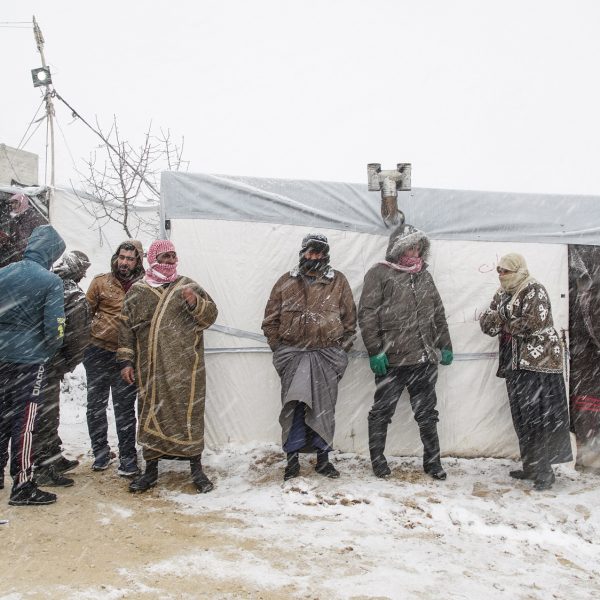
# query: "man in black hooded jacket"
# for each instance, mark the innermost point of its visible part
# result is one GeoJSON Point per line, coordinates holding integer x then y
{"type": "Point", "coordinates": [50, 463]}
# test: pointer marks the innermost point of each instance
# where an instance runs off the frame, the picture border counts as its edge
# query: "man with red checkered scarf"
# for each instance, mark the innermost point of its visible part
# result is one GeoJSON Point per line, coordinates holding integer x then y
{"type": "Point", "coordinates": [161, 348]}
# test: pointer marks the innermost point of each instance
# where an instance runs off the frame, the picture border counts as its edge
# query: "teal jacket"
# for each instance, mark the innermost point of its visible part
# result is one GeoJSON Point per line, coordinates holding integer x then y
{"type": "Point", "coordinates": [31, 301]}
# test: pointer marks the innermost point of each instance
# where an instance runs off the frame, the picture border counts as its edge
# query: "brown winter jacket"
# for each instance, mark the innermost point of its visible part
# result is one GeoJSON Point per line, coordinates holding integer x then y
{"type": "Point", "coordinates": [535, 343]}
{"type": "Point", "coordinates": [317, 315]}
{"type": "Point", "coordinates": [105, 296]}
{"type": "Point", "coordinates": [402, 315]}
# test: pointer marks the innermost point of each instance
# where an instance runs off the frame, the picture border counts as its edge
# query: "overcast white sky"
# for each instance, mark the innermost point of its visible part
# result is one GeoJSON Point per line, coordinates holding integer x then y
{"type": "Point", "coordinates": [477, 95]}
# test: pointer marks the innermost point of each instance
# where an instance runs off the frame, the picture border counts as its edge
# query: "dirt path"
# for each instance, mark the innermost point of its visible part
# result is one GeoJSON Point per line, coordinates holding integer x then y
{"type": "Point", "coordinates": [99, 540]}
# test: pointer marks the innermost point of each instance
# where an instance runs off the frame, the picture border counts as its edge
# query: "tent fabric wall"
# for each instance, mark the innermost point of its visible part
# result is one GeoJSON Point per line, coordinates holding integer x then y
{"type": "Point", "coordinates": [73, 214]}
{"type": "Point", "coordinates": [444, 214]}
{"type": "Point", "coordinates": [237, 258]}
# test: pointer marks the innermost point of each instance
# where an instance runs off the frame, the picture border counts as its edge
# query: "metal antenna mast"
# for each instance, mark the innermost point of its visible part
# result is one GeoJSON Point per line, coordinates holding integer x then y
{"type": "Point", "coordinates": [39, 40]}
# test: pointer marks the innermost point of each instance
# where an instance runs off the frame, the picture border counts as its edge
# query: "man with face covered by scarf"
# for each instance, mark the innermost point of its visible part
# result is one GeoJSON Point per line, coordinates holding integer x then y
{"type": "Point", "coordinates": [161, 347]}
{"type": "Point", "coordinates": [530, 361]}
{"type": "Point", "coordinates": [50, 464]}
{"type": "Point", "coordinates": [105, 297]}
{"type": "Point", "coordinates": [310, 324]}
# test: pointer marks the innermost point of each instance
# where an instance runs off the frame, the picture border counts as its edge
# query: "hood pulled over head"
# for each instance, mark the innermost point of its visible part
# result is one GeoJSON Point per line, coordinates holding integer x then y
{"type": "Point", "coordinates": [403, 238]}
{"type": "Point", "coordinates": [135, 245]}
{"type": "Point", "coordinates": [44, 246]}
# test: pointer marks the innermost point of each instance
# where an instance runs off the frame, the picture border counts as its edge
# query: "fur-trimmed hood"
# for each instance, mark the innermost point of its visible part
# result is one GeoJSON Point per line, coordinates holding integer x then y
{"type": "Point", "coordinates": [402, 238]}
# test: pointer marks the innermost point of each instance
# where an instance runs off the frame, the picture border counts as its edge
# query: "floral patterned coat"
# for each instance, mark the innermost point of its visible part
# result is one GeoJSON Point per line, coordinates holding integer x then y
{"type": "Point", "coordinates": [536, 345]}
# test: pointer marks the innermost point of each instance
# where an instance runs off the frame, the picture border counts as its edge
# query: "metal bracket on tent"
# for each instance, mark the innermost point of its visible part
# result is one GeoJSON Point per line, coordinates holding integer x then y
{"type": "Point", "coordinates": [389, 183]}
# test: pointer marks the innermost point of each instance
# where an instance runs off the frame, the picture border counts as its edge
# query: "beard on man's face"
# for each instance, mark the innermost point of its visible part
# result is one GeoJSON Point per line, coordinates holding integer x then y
{"type": "Point", "coordinates": [124, 270]}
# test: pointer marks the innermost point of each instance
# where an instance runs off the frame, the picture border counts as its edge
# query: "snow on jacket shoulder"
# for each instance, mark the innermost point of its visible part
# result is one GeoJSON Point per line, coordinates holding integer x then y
{"type": "Point", "coordinates": [31, 302]}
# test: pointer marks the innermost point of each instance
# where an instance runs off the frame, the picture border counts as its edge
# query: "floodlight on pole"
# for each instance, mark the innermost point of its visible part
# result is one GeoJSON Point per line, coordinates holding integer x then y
{"type": "Point", "coordinates": [41, 76]}
{"type": "Point", "coordinates": [389, 183]}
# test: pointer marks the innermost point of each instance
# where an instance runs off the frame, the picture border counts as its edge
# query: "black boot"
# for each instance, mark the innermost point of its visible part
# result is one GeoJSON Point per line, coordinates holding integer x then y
{"type": "Point", "coordinates": [202, 482]}
{"type": "Point", "coordinates": [292, 468]}
{"type": "Point", "coordinates": [324, 467]}
{"type": "Point", "coordinates": [377, 439]}
{"type": "Point", "coordinates": [544, 481]}
{"type": "Point", "coordinates": [432, 464]}
{"type": "Point", "coordinates": [521, 474]}
{"type": "Point", "coordinates": [148, 480]}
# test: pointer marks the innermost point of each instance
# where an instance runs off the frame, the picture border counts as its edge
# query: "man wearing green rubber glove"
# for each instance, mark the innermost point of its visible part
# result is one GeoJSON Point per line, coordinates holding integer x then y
{"type": "Point", "coordinates": [404, 328]}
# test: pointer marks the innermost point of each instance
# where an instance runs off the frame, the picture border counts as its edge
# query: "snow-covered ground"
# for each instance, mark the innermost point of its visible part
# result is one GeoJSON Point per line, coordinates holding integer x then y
{"type": "Point", "coordinates": [479, 534]}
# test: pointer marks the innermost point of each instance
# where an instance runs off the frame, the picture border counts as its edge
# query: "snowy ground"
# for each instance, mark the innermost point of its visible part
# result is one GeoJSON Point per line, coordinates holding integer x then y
{"type": "Point", "coordinates": [477, 535]}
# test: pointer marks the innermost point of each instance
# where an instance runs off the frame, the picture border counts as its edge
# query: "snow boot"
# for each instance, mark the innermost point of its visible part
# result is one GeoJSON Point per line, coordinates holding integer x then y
{"type": "Point", "coordinates": [324, 467]}
{"type": "Point", "coordinates": [148, 480]}
{"type": "Point", "coordinates": [292, 468]}
{"type": "Point", "coordinates": [544, 481]}
{"type": "Point", "coordinates": [202, 482]}
{"type": "Point", "coordinates": [377, 439]}
{"type": "Point", "coordinates": [431, 452]}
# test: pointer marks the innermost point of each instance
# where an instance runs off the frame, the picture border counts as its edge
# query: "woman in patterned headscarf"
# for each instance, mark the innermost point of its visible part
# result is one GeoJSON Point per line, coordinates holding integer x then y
{"type": "Point", "coordinates": [530, 360]}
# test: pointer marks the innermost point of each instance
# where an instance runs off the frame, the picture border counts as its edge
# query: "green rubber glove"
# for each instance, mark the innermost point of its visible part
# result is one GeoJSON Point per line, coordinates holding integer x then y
{"type": "Point", "coordinates": [447, 357]}
{"type": "Point", "coordinates": [379, 364]}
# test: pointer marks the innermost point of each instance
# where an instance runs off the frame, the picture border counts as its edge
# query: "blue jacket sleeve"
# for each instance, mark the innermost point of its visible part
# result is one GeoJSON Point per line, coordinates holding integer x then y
{"type": "Point", "coordinates": [54, 317]}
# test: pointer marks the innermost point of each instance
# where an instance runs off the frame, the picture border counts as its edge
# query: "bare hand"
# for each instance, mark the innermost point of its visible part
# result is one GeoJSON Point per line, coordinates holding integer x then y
{"type": "Point", "coordinates": [128, 375]}
{"type": "Point", "coordinates": [190, 296]}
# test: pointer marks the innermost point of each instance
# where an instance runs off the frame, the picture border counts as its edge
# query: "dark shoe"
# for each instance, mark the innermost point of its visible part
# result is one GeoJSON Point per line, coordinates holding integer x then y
{"type": "Point", "coordinates": [437, 473]}
{"type": "Point", "coordinates": [2, 480]}
{"type": "Point", "coordinates": [146, 481]}
{"type": "Point", "coordinates": [327, 470]}
{"type": "Point", "coordinates": [128, 467]}
{"type": "Point", "coordinates": [51, 477]}
{"type": "Point", "coordinates": [64, 465]}
{"type": "Point", "coordinates": [380, 467]}
{"type": "Point", "coordinates": [292, 469]}
{"type": "Point", "coordinates": [544, 482]}
{"type": "Point", "coordinates": [520, 474]}
{"type": "Point", "coordinates": [102, 462]}
{"type": "Point", "coordinates": [28, 494]}
{"type": "Point", "coordinates": [203, 483]}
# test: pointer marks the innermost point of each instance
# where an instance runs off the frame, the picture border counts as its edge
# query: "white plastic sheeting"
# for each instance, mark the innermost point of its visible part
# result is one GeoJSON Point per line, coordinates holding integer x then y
{"type": "Point", "coordinates": [73, 214]}
{"type": "Point", "coordinates": [238, 263]}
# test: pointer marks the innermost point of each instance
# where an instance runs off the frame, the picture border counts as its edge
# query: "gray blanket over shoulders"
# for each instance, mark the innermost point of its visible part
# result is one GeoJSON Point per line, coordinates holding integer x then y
{"type": "Point", "coordinates": [310, 376]}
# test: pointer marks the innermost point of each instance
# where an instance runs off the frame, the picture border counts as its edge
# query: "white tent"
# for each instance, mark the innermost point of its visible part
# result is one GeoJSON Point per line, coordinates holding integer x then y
{"type": "Point", "coordinates": [236, 235]}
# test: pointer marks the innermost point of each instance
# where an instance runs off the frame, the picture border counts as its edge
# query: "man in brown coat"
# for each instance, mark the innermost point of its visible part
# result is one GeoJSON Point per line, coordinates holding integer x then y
{"type": "Point", "coordinates": [161, 345]}
{"type": "Point", "coordinates": [310, 324]}
{"type": "Point", "coordinates": [105, 297]}
{"type": "Point", "coordinates": [403, 325]}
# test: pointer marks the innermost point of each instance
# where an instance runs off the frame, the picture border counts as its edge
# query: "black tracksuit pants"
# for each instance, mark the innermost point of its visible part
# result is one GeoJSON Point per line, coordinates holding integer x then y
{"type": "Point", "coordinates": [21, 395]}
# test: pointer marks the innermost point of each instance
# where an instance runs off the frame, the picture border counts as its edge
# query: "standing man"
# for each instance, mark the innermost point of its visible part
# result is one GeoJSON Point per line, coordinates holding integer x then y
{"type": "Point", "coordinates": [31, 331]}
{"type": "Point", "coordinates": [404, 328]}
{"type": "Point", "coordinates": [50, 463]}
{"type": "Point", "coordinates": [310, 324]}
{"type": "Point", "coordinates": [105, 297]}
{"type": "Point", "coordinates": [161, 346]}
